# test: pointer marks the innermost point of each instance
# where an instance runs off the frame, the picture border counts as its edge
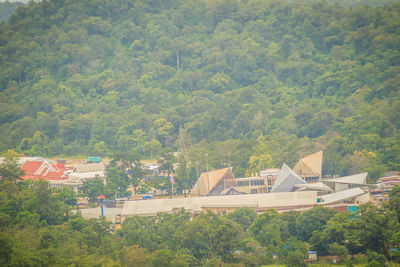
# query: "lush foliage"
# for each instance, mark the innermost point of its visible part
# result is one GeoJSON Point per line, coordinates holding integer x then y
{"type": "Point", "coordinates": [251, 83]}
{"type": "Point", "coordinates": [52, 235]}
{"type": "Point", "coordinates": [40, 228]}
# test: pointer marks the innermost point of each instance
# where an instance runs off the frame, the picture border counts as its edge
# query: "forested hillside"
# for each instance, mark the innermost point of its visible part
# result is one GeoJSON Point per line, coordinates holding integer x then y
{"type": "Point", "coordinates": [243, 81]}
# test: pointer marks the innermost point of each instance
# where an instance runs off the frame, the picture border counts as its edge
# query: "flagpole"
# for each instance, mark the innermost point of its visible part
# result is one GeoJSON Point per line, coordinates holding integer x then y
{"type": "Point", "coordinates": [172, 189]}
{"type": "Point", "coordinates": [172, 181]}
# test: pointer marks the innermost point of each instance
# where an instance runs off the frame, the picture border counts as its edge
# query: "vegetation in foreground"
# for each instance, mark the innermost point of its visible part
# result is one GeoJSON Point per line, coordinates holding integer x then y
{"type": "Point", "coordinates": [252, 83]}
{"type": "Point", "coordinates": [39, 229]}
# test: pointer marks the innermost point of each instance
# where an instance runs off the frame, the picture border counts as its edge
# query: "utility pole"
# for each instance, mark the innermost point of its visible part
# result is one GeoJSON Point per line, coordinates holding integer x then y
{"type": "Point", "coordinates": [197, 173]}
{"type": "Point", "coordinates": [208, 178]}
{"type": "Point", "coordinates": [177, 59]}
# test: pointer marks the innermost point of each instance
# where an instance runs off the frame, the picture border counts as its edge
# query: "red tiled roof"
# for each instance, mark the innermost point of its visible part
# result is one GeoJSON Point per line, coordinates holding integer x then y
{"type": "Point", "coordinates": [49, 171]}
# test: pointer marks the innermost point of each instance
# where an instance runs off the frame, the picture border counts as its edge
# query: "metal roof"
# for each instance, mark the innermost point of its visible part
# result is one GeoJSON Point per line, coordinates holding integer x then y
{"type": "Point", "coordinates": [286, 180]}
{"type": "Point", "coordinates": [314, 186]}
{"type": "Point", "coordinates": [360, 178]}
{"type": "Point", "coordinates": [342, 195]}
{"type": "Point", "coordinates": [86, 175]}
{"type": "Point", "coordinates": [90, 167]}
{"type": "Point", "coordinates": [196, 204]}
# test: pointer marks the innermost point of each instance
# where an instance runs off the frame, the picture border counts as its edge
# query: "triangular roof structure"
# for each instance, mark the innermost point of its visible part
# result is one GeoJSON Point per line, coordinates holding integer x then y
{"type": "Point", "coordinates": [286, 180]}
{"type": "Point", "coordinates": [318, 186]}
{"type": "Point", "coordinates": [310, 165]}
{"type": "Point", "coordinates": [232, 191]}
{"type": "Point", "coordinates": [213, 182]}
{"type": "Point", "coordinates": [43, 169]}
{"type": "Point", "coordinates": [359, 179]}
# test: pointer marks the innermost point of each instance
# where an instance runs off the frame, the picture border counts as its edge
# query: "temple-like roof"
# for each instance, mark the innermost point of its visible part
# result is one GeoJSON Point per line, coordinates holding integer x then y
{"type": "Point", "coordinates": [43, 169]}
{"type": "Point", "coordinates": [209, 180]}
{"type": "Point", "coordinates": [286, 180]}
{"type": "Point", "coordinates": [310, 165]}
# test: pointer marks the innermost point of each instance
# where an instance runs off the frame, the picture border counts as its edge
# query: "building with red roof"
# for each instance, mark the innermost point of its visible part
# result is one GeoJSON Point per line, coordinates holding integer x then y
{"type": "Point", "coordinates": [46, 170]}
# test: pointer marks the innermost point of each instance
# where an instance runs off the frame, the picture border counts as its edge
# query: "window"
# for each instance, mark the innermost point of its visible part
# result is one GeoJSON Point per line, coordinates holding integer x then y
{"type": "Point", "coordinates": [243, 183]}
{"type": "Point", "coordinates": [257, 182]}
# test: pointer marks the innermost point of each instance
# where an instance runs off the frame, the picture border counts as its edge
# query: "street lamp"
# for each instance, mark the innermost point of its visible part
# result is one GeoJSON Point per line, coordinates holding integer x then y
{"type": "Point", "coordinates": [101, 197]}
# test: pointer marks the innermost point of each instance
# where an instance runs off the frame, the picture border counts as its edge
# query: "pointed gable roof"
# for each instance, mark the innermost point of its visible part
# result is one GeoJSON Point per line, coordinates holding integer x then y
{"type": "Point", "coordinates": [30, 168]}
{"type": "Point", "coordinates": [310, 165]}
{"type": "Point", "coordinates": [286, 180]}
{"type": "Point", "coordinates": [43, 169]}
{"type": "Point", "coordinates": [208, 181]}
{"type": "Point", "coordinates": [232, 191]}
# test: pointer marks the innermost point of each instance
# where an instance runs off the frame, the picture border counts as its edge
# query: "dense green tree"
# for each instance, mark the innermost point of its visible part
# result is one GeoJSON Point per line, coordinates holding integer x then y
{"type": "Point", "coordinates": [135, 256]}
{"type": "Point", "coordinates": [93, 188]}
{"type": "Point", "coordinates": [342, 230]}
{"type": "Point", "coordinates": [40, 199]}
{"type": "Point", "coordinates": [210, 236]}
{"type": "Point", "coordinates": [67, 195]}
{"type": "Point", "coordinates": [266, 230]}
{"type": "Point", "coordinates": [125, 169]}
{"type": "Point", "coordinates": [117, 182]}
{"type": "Point", "coordinates": [376, 237]}
{"type": "Point", "coordinates": [9, 169]}
{"type": "Point", "coordinates": [312, 220]}
{"type": "Point", "coordinates": [394, 201]}
{"type": "Point", "coordinates": [296, 258]}
{"type": "Point", "coordinates": [243, 216]}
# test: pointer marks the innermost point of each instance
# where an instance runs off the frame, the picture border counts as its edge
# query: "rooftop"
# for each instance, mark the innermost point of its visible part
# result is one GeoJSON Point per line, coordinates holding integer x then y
{"type": "Point", "coordinates": [286, 180]}
{"type": "Point", "coordinates": [208, 181]}
{"type": "Point", "coordinates": [310, 165]}
{"type": "Point", "coordinates": [196, 204]}
{"type": "Point", "coordinates": [342, 196]}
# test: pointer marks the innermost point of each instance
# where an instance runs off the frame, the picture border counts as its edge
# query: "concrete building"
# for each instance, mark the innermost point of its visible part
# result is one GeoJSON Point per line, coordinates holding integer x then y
{"type": "Point", "coordinates": [258, 184]}
{"type": "Point", "coordinates": [347, 182]}
{"type": "Point", "coordinates": [81, 173]}
{"type": "Point", "coordinates": [222, 204]}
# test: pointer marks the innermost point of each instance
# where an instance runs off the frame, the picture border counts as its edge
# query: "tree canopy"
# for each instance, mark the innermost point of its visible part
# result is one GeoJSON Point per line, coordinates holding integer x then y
{"type": "Point", "coordinates": [131, 76]}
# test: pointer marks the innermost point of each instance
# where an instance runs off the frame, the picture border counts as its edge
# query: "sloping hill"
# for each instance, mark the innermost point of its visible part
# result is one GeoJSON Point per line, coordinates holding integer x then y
{"type": "Point", "coordinates": [234, 78]}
